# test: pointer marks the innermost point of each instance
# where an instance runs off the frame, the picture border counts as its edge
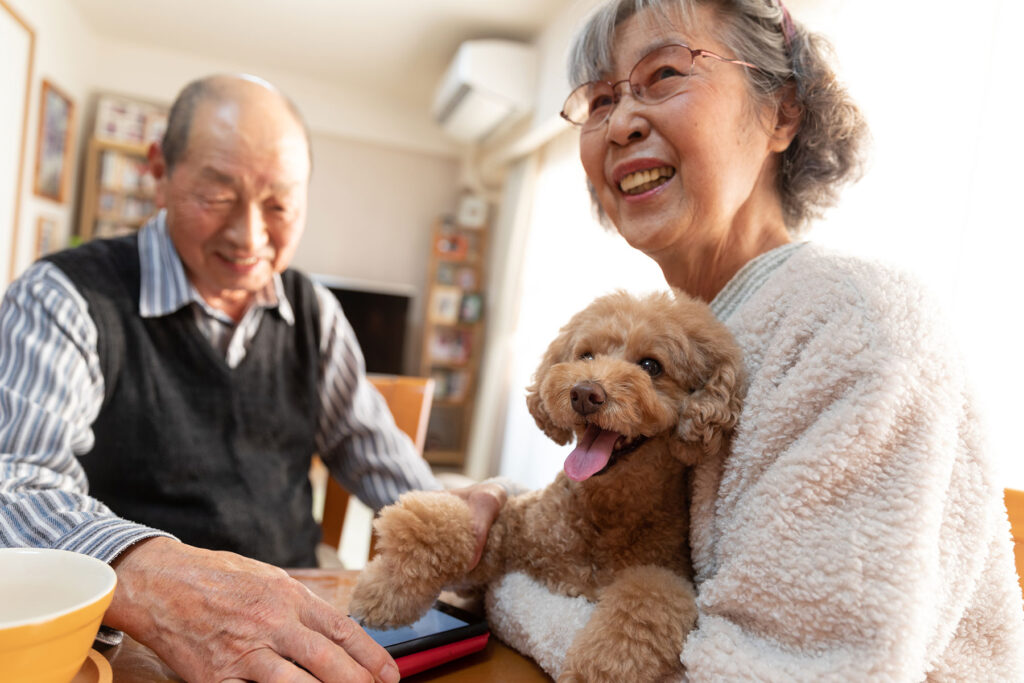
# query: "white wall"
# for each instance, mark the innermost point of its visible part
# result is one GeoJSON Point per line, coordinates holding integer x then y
{"type": "Point", "coordinates": [328, 107]}
{"type": "Point", "coordinates": [64, 55]}
{"type": "Point", "coordinates": [371, 210]}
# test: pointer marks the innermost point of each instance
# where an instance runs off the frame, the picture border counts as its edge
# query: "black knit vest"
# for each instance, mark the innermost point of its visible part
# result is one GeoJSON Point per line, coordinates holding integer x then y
{"type": "Point", "coordinates": [217, 456]}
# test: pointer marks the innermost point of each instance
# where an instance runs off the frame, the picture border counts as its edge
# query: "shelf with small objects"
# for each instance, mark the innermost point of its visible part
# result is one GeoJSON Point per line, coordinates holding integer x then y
{"type": "Point", "coordinates": [118, 192]}
{"type": "Point", "coordinates": [453, 333]}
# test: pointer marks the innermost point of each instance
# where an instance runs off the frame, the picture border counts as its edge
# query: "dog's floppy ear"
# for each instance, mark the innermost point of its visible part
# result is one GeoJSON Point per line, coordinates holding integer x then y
{"type": "Point", "coordinates": [712, 410]}
{"type": "Point", "coordinates": [557, 352]}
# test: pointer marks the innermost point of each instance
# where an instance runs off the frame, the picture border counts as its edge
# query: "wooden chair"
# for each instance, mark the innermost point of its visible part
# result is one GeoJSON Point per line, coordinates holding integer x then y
{"type": "Point", "coordinates": [409, 399]}
{"type": "Point", "coordinates": [1015, 509]}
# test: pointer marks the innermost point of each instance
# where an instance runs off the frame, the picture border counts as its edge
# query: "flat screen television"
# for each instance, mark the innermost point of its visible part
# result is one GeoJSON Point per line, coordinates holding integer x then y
{"type": "Point", "coordinates": [379, 315]}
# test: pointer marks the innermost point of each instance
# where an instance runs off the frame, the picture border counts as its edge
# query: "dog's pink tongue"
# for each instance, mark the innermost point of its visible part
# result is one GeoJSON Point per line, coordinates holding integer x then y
{"type": "Point", "coordinates": [591, 453]}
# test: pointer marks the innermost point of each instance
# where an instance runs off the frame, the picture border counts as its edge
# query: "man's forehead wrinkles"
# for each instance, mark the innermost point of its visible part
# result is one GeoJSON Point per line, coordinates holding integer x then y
{"type": "Point", "coordinates": [216, 175]}
{"type": "Point", "coordinates": [211, 173]}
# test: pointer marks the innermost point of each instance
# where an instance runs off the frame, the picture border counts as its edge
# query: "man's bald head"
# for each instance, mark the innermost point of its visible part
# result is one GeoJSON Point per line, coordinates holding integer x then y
{"type": "Point", "coordinates": [216, 89]}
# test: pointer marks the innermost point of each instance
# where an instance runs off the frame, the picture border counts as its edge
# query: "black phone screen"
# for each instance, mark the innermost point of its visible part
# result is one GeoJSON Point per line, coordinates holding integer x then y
{"type": "Point", "coordinates": [442, 625]}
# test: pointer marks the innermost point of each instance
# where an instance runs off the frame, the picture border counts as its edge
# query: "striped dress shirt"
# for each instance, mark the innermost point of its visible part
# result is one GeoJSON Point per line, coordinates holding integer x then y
{"type": "Point", "coordinates": [51, 391]}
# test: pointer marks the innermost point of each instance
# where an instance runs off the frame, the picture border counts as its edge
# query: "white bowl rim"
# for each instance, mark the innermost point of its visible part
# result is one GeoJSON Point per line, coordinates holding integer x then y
{"type": "Point", "coordinates": [110, 575]}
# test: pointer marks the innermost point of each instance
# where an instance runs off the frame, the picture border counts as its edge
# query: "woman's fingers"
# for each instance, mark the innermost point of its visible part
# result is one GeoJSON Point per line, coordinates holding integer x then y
{"type": "Point", "coordinates": [485, 501]}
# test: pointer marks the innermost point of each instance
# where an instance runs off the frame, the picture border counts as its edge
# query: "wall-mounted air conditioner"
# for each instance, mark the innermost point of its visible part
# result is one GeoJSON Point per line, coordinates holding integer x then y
{"type": "Point", "coordinates": [487, 83]}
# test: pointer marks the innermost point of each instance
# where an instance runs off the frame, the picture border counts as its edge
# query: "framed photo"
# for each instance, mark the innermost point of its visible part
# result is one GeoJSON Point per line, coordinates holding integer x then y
{"type": "Point", "coordinates": [450, 346]}
{"type": "Point", "coordinates": [53, 152]}
{"type": "Point", "coordinates": [17, 54]}
{"type": "Point", "coordinates": [126, 120]}
{"type": "Point", "coordinates": [457, 385]}
{"type": "Point", "coordinates": [452, 247]}
{"type": "Point", "coordinates": [465, 277]}
{"type": "Point", "coordinates": [471, 307]}
{"type": "Point", "coordinates": [445, 274]}
{"type": "Point", "coordinates": [48, 236]}
{"type": "Point", "coordinates": [471, 212]}
{"type": "Point", "coordinates": [444, 304]}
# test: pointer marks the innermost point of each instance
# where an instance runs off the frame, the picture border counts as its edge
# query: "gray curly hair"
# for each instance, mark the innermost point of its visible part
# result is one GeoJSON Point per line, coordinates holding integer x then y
{"type": "Point", "coordinates": [829, 148]}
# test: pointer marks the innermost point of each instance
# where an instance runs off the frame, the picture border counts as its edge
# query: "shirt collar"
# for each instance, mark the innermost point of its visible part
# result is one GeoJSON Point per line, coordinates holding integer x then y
{"type": "Point", "coordinates": [750, 278]}
{"type": "Point", "coordinates": [165, 288]}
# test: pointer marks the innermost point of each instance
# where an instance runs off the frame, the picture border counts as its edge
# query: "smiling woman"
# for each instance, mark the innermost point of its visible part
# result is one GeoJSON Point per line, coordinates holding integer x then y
{"type": "Point", "coordinates": [842, 354]}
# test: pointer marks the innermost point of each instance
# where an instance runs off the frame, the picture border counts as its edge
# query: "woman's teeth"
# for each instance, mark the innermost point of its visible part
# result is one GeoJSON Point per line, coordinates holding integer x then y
{"type": "Point", "coordinates": [642, 181]}
{"type": "Point", "coordinates": [247, 261]}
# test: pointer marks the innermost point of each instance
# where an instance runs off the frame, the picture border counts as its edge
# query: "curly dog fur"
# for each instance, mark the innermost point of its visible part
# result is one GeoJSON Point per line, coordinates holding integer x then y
{"type": "Point", "coordinates": [646, 386]}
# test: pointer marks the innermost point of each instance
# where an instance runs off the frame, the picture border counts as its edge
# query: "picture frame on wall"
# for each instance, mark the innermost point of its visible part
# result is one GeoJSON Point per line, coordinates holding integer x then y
{"type": "Point", "coordinates": [48, 236]}
{"type": "Point", "coordinates": [17, 57]}
{"type": "Point", "coordinates": [53, 147]}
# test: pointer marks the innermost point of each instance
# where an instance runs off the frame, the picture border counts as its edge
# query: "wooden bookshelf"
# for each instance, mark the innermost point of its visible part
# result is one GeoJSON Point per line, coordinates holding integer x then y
{"type": "Point", "coordinates": [117, 190]}
{"type": "Point", "coordinates": [453, 333]}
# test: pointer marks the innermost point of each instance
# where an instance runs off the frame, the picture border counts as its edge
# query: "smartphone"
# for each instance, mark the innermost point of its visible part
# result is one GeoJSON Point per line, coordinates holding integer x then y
{"type": "Point", "coordinates": [443, 634]}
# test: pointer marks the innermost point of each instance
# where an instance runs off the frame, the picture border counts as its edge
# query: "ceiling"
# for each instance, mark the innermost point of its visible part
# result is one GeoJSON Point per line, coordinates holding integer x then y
{"type": "Point", "coordinates": [396, 49]}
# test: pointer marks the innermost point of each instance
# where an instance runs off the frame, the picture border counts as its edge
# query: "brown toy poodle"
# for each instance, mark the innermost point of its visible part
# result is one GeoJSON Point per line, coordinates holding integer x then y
{"type": "Point", "coordinates": [646, 386]}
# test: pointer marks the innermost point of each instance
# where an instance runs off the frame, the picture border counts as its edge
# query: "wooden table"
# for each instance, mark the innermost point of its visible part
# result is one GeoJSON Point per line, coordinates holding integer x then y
{"type": "Point", "coordinates": [135, 663]}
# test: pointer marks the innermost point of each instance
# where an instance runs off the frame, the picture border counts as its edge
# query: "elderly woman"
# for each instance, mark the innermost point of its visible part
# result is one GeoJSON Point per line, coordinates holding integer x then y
{"type": "Point", "coordinates": [855, 532]}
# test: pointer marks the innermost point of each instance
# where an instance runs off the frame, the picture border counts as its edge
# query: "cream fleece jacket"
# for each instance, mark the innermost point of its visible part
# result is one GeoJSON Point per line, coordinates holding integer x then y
{"type": "Point", "coordinates": [856, 531]}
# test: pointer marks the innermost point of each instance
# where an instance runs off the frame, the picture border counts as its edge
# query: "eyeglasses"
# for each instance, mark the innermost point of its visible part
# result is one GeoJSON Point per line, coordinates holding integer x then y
{"type": "Point", "coordinates": [660, 74]}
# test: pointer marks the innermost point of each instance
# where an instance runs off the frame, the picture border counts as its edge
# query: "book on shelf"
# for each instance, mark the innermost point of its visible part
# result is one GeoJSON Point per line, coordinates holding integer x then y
{"type": "Point", "coordinates": [125, 120]}
{"type": "Point", "coordinates": [450, 385]}
{"type": "Point", "coordinates": [450, 346]}
{"type": "Point", "coordinates": [125, 173]}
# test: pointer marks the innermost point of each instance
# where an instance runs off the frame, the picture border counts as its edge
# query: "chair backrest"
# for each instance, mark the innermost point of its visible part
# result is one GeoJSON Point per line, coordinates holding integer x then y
{"type": "Point", "coordinates": [409, 399]}
{"type": "Point", "coordinates": [1015, 509]}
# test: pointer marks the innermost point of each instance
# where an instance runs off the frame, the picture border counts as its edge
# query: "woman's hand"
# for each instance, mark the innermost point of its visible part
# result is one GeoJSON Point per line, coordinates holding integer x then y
{"type": "Point", "coordinates": [217, 616]}
{"type": "Point", "coordinates": [485, 501]}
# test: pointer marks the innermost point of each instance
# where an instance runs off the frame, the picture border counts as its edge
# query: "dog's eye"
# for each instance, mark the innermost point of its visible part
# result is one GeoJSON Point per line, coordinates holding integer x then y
{"type": "Point", "coordinates": [650, 366]}
{"type": "Point", "coordinates": [586, 355]}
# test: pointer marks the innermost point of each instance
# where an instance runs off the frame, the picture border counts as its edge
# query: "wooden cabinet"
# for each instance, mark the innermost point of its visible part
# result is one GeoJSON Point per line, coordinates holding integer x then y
{"type": "Point", "coordinates": [453, 336]}
{"type": "Point", "coordinates": [117, 189]}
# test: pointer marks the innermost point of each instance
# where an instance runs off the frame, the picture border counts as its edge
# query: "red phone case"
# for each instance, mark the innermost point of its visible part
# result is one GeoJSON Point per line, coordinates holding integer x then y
{"type": "Point", "coordinates": [425, 659]}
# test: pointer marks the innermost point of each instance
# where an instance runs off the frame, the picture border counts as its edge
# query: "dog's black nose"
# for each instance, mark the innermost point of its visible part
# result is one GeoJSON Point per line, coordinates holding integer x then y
{"type": "Point", "coordinates": [586, 397]}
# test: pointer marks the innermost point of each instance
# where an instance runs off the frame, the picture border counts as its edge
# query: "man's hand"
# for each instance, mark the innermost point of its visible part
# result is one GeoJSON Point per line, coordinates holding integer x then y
{"type": "Point", "coordinates": [217, 616]}
{"type": "Point", "coordinates": [485, 501]}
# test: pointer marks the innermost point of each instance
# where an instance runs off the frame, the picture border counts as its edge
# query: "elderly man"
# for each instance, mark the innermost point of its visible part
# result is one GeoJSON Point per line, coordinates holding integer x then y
{"type": "Point", "coordinates": [162, 395]}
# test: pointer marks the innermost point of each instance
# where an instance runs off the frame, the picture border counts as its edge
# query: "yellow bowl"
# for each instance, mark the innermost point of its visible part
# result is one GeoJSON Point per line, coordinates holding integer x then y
{"type": "Point", "coordinates": [51, 606]}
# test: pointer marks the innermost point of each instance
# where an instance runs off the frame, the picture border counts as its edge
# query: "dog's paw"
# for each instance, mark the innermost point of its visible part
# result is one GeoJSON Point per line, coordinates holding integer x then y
{"type": "Point", "coordinates": [637, 630]}
{"type": "Point", "coordinates": [428, 535]}
{"type": "Point", "coordinates": [381, 601]}
{"type": "Point", "coordinates": [424, 542]}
